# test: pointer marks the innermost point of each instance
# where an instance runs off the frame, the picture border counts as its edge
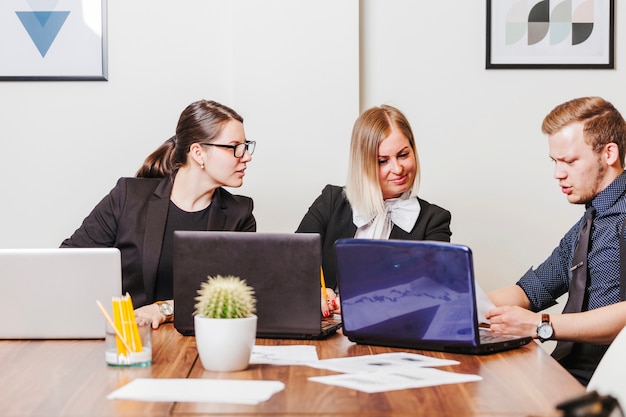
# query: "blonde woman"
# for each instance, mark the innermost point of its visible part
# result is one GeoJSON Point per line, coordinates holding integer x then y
{"type": "Point", "coordinates": [380, 199]}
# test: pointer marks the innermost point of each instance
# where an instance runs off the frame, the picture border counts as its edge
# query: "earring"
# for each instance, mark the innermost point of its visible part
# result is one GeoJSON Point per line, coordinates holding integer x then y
{"type": "Point", "coordinates": [202, 165]}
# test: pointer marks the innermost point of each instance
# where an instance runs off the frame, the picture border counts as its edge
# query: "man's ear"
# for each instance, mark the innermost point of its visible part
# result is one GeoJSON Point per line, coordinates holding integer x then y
{"type": "Point", "coordinates": [611, 154]}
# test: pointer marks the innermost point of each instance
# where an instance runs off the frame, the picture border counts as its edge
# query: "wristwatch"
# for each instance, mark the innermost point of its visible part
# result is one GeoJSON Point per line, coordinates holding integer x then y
{"type": "Point", "coordinates": [544, 329]}
{"type": "Point", "coordinates": [166, 309]}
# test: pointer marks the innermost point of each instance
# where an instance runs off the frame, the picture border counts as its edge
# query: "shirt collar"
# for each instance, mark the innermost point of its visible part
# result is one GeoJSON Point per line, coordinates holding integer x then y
{"type": "Point", "coordinates": [613, 192]}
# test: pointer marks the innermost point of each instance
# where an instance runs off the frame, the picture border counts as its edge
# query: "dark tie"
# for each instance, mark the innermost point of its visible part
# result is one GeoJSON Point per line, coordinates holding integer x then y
{"type": "Point", "coordinates": [578, 285]}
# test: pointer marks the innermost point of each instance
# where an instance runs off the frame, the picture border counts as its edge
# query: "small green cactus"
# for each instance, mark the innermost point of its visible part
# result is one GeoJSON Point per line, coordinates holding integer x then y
{"type": "Point", "coordinates": [225, 298]}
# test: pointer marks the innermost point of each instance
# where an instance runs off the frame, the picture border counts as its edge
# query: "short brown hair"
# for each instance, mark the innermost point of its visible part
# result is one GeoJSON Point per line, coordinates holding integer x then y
{"type": "Point", "coordinates": [602, 123]}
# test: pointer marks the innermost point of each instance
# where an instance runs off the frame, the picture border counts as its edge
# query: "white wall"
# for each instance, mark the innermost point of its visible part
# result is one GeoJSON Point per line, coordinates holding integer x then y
{"type": "Point", "coordinates": [296, 80]}
{"type": "Point", "coordinates": [291, 68]}
{"type": "Point", "coordinates": [299, 72]}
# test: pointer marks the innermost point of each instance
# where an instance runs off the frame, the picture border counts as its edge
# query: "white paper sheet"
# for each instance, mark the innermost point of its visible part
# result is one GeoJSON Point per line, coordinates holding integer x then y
{"type": "Point", "coordinates": [483, 304]}
{"type": "Point", "coordinates": [283, 355]}
{"type": "Point", "coordinates": [389, 381]}
{"type": "Point", "coordinates": [197, 390]}
{"type": "Point", "coordinates": [383, 362]}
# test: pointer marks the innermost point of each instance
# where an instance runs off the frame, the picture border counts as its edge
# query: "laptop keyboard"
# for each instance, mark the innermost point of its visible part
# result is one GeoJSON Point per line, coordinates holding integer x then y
{"type": "Point", "coordinates": [330, 322]}
{"type": "Point", "coordinates": [487, 336]}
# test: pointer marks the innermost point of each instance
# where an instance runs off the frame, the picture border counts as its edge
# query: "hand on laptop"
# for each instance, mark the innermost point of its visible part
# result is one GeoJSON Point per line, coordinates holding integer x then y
{"type": "Point", "coordinates": [514, 320]}
{"type": "Point", "coordinates": [330, 306]}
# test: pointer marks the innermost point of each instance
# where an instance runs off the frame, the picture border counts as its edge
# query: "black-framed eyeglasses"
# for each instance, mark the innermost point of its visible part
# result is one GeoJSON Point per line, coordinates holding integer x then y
{"type": "Point", "coordinates": [239, 149]}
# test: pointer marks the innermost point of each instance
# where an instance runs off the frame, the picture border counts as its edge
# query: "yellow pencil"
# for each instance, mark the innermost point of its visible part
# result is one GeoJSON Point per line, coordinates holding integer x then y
{"type": "Point", "coordinates": [324, 286]}
{"type": "Point", "coordinates": [118, 317]}
{"type": "Point", "coordinates": [110, 321]}
{"type": "Point", "coordinates": [136, 339]}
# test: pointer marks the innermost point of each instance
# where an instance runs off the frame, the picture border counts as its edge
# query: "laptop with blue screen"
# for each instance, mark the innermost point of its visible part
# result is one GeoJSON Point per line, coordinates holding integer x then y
{"type": "Point", "coordinates": [413, 294]}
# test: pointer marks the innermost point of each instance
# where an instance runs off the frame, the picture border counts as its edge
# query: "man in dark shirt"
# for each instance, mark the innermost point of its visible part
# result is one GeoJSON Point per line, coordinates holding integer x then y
{"type": "Point", "coordinates": [587, 142]}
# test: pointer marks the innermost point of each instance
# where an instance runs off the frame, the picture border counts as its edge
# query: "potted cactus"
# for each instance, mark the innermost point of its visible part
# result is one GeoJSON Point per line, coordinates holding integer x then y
{"type": "Point", "coordinates": [225, 323]}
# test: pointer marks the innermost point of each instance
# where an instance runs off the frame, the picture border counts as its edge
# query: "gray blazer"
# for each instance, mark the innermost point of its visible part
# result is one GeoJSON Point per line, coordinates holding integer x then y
{"type": "Point", "coordinates": [132, 218]}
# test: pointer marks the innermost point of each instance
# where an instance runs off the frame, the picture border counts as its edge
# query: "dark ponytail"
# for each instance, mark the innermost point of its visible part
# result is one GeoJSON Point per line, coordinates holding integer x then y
{"type": "Point", "coordinates": [159, 164]}
{"type": "Point", "coordinates": [201, 122]}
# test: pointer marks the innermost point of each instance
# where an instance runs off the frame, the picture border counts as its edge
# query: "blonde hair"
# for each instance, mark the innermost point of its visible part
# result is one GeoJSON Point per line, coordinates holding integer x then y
{"type": "Point", "coordinates": [363, 186]}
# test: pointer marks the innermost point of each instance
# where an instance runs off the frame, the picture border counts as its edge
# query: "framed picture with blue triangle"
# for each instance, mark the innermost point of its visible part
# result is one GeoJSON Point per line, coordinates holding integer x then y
{"type": "Point", "coordinates": [50, 40]}
{"type": "Point", "coordinates": [550, 34]}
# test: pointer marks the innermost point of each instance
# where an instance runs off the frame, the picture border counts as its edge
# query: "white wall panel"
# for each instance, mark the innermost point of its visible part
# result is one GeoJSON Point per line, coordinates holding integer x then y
{"type": "Point", "coordinates": [296, 79]}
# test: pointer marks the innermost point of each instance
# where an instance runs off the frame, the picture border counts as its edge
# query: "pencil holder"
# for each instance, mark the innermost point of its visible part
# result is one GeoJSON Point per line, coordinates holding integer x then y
{"type": "Point", "coordinates": [135, 352]}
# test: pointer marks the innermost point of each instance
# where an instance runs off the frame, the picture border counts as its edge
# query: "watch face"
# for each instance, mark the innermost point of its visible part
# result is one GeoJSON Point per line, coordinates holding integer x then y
{"type": "Point", "coordinates": [544, 331]}
{"type": "Point", "coordinates": [166, 309]}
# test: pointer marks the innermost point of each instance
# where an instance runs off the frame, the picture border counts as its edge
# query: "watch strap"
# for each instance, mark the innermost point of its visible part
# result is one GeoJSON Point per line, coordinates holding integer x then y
{"type": "Point", "coordinates": [545, 323]}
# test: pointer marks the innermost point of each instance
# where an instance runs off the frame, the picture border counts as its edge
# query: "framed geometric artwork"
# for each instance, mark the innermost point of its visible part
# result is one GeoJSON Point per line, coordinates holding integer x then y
{"type": "Point", "coordinates": [53, 40]}
{"type": "Point", "coordinates": [550, 34]}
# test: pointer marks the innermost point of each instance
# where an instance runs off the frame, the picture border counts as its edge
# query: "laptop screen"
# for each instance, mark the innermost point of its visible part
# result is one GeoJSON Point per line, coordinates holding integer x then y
{"type": "Point", "coordinates": [403, 291]}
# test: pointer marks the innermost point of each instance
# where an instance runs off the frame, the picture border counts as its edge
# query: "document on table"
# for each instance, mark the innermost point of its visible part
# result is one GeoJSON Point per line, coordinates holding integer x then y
{"type": "Point", "coordinates": [197, 390]}
{"type": "Point", "coordinates": [388, 372]}
{"type": "Point", "coordinates": [383, 362]}
{"type": "Point", "coordinates": [415, 377]}
{"type": "Point", "coordinates": [283, 355]}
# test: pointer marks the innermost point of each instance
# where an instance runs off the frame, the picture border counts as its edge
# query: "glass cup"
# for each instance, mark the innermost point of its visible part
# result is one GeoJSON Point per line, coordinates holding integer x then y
{"type": "Point", "coordinates": [116, 354]}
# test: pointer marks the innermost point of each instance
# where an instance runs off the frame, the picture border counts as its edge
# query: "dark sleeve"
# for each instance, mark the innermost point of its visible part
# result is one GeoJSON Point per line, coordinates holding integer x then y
{"type": "Point", "coordinates": [99, 228]}
{"type": "Point", "coordinates": [438, 227]}
{"type": "Point", "coordinates": [544, 284]}
{"type": "Point", "coordinates": [317, 217]}
{"type": "Point", "coordinates": [248, 223]}
{"type": "Point", "coordinates": [238, 211]}
{"type": "Point", "coordinates": [330, 216]}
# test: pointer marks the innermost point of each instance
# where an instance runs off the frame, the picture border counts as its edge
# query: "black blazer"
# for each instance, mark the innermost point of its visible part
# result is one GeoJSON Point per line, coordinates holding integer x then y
{"type": "Point", "coordinates": [331, 217]}
{"type": "Point", "coordinates": [132, 218]}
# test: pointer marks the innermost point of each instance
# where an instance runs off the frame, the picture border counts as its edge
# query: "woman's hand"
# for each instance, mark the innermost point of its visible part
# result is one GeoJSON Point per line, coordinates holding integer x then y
{"type": "Point", "coordinates": [330, 306]}
{"type": "Point", "coordinates": [150, 314]}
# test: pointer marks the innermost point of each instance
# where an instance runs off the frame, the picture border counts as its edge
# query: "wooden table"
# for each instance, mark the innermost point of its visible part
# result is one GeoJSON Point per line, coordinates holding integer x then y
{"type": "Point", "coordinates": [69, 378]}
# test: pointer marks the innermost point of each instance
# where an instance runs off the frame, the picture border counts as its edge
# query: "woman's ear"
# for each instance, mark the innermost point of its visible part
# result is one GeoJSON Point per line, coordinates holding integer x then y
{"type": "Point", "coordinates": [196, 152]}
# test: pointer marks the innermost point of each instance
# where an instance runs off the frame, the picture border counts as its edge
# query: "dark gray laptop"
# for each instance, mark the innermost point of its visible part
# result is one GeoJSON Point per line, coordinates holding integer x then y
{"type": "Point", "coordinates": [413, 294]}
{"type": "Point", "coordinates": [283, 269]}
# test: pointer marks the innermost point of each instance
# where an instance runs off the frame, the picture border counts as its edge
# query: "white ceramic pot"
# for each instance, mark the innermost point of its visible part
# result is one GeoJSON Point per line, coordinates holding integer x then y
{"type": "Point", "coordinates": [225, 344]}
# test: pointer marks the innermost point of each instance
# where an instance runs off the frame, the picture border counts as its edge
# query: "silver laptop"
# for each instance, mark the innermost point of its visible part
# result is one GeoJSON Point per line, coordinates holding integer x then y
{"type": "Point", "coordinates": [283, 269]}
{"type": "Point", "coordinates": [52, 293]}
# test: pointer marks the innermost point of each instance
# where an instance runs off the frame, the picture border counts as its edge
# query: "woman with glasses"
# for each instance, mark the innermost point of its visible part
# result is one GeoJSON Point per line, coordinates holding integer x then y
{"type": "Point", "coordinates": [380, 199]}
{"type": "Point", "coordinates": [179, 187]}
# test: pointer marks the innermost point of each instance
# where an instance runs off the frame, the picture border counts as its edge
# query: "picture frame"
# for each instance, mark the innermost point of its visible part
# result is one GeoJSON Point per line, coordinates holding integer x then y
{"type": "Point", "coordinates": [53, 40]}
{"type": "Point", "coordinates": [543, 34]}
